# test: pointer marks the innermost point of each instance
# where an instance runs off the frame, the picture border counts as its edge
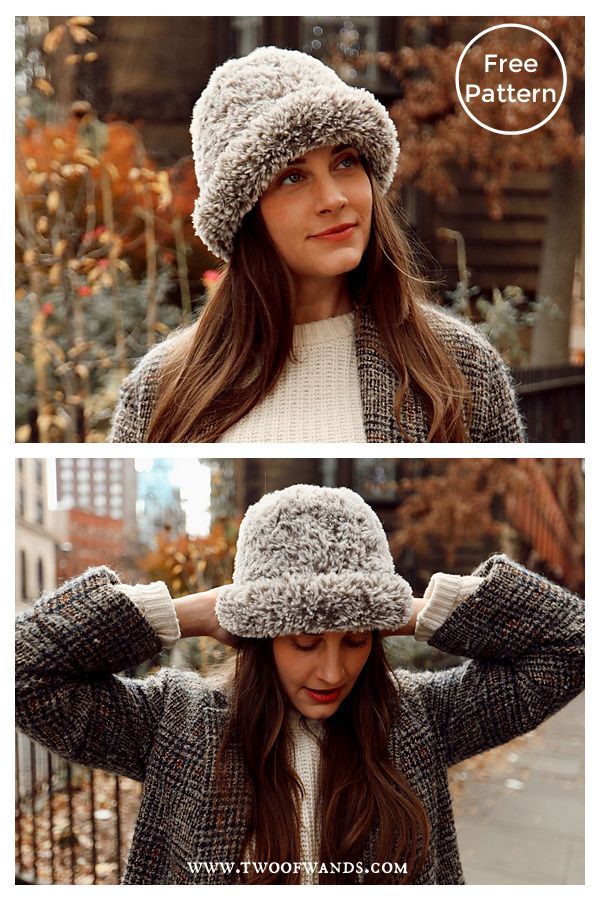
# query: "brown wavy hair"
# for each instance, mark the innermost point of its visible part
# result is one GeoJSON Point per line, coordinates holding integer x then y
{"type": "Point", "coordinates": [223, 365]}
{"type": "Point", "coordinates": [360, 786]}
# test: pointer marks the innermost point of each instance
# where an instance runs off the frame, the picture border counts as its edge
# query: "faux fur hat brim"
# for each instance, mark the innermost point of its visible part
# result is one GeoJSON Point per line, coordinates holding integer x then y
{"type": "Point", "coordinates": [313, 604]}
{"type": "Point", "coordinates": [294, 124]}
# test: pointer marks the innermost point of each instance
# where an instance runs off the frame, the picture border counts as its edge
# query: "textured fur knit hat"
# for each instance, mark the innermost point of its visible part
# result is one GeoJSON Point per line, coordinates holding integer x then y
{"type": "Point", "coordinates": [259, 112]}
{"type": "Point", "coordinates": [312, 559]}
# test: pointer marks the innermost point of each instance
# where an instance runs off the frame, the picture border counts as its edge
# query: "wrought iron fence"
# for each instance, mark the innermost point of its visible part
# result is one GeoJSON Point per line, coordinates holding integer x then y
{"type": "Point", "coordinates": [73, 825]}
{"type": "Point", "coordinates": [552, 400]}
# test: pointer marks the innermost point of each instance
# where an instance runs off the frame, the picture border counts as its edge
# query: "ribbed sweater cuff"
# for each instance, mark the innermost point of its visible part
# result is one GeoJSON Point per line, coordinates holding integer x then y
{"type": "Point", "coordinates": [154, 601]}
{"type": "Point", "coordinates": [444, 593]}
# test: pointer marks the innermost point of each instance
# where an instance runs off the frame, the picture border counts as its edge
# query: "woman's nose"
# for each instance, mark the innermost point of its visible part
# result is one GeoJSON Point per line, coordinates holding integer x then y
{"type": "Point", "coordinates": [329, 195]}
{"type": "Point", "coordinates": [332, 672]}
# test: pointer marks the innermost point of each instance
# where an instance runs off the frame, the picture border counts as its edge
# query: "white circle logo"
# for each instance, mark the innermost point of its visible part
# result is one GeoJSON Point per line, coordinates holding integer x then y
{"type": "Point", "coordinates": [513, 66]}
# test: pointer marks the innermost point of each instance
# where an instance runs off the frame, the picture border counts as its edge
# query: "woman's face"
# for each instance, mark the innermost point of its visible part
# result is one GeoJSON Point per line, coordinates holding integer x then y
{"type": "Point", "coordinates": [325, 188]}
{"type": "Point", "coordinates": [327, 664]}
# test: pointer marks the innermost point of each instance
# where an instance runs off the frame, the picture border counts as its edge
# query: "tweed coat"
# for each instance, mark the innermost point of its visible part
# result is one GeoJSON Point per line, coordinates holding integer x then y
{"type": "Point", "coordinates": [496, 417]}
{"type": "Point", "coordinates": [522, 634]}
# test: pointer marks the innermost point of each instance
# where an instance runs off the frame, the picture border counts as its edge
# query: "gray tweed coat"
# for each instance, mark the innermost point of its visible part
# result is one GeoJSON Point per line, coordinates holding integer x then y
{"type": "Point", "coordinates": [496, 417]}
{"type": "Point", "coordinates": [523, 636]}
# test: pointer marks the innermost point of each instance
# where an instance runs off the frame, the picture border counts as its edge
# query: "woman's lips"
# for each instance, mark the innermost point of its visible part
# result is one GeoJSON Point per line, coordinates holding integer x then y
{"type": "Point", "coordinates": [336, 235]}
{"type": "Point", "coordinates": [324, 696]}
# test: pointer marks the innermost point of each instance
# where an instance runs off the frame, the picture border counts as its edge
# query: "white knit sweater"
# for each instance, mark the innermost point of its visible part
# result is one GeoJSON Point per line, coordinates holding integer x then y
{"type": "Point", "coordinates": [443, 593]}
{"type": "Point", "coordinates": [317, 397]}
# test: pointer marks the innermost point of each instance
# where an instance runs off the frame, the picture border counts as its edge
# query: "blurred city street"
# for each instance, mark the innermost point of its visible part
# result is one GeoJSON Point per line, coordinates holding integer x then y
{"type": "Point", "coordinates": [520, 819]}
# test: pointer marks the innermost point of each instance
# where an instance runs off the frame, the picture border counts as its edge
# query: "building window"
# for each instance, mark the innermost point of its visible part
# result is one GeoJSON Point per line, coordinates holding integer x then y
{"type": "Point", "coordinates": [23, 566]}
{"type": "Point", "coordinates": [39, 472]}
{"type": "Point", "coordinates": [21, 501]}
{"type": "Point", "coordinates": [40, 574]}
{"type": "Point", "coordinates": [39, 511]}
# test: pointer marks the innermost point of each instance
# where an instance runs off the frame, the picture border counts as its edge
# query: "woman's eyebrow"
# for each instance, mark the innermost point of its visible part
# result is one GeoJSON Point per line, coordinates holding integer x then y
{"type": "Point", "coordinates": [334, 150]}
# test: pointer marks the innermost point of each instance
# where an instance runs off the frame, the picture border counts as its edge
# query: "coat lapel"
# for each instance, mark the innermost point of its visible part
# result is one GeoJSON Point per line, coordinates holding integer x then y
{"type": "Point", "coordinates": [377, 382]}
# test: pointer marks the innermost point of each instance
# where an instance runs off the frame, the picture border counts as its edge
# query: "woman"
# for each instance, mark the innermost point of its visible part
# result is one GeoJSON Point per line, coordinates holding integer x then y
{"type": "Point", "coordinates": [311, 761]}
{"type": "Point", "coordinates": [311, 334]}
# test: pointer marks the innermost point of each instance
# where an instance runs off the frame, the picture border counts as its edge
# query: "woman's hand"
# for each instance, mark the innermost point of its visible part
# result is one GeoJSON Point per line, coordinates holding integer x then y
{"type": "Point", "coordinates": [409, 628]}
{"type": "Point", "coordinates": [197, 617]}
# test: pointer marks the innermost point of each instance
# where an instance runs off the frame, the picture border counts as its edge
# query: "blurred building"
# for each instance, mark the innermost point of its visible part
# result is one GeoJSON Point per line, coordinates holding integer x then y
{"type": "Point", "coordinates": [237, 483]}
{"type": "Point", "coordinates": [86, 539]}
{"type": "Point", "coordinates": [34, 538]}
{"type": "Point", "coordinates": [158, 503]}
{"type": "Point", "coordinates": [106, 487]}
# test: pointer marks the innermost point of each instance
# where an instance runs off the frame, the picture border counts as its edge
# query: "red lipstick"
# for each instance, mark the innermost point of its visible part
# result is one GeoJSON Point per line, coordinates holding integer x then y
{"type": "Point", "coordinates": [336, 234]}
{"type": "Point", "coordinates": [324, 696]}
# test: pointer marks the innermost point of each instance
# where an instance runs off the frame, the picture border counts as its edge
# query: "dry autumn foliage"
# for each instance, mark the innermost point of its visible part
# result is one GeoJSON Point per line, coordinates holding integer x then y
{"type": "Point", "coordinates": [81, 831]}
{"type": "Point", "coordinates": [457, 505]}
{"type": "Point", "coordinates": [436, 135]}
{"type": "Point", "coordinates": [93, 213]}
{"type": "Point", "coordinates": [191, 564]}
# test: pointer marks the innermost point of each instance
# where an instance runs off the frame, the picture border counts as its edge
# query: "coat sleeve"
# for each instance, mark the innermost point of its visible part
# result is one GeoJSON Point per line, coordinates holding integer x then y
{"type": "Point", "coordinates": [523, 638]}
{"type": "Point", "coordinates": [504, 423]}
{"type": "Point", "coordinates": [69, 646]}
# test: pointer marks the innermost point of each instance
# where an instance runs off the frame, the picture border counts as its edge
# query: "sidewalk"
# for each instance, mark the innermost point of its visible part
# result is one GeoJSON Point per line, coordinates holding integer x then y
{"type": "Point", "coordinates": [520, 816]}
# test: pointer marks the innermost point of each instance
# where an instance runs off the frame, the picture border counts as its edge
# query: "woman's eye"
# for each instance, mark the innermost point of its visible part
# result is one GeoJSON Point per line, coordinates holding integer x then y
{"type": "Point", "coordinates": [352, 159]}
{"type": "Point", "coordinates": [300, 647]}
{"type": "Point", "coordinates": [291, 175]}
{"type": "Point", "coordinates": [297, 646]}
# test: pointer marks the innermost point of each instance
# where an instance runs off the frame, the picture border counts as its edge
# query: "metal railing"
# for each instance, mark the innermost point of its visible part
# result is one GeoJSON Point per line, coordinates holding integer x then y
{"type": "Point", "coordinates": [552, 400]}
{"type": "Point", "coordinates": [73, 825]}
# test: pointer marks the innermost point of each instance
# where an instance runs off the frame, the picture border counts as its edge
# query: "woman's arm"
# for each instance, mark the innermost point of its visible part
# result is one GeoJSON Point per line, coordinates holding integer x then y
{"type": "Point", "coordinates": [524, 637]}
{"type": "Point", "coordinates": [68, 647]}
{"type": "Point", "coordinates": [196, 616]}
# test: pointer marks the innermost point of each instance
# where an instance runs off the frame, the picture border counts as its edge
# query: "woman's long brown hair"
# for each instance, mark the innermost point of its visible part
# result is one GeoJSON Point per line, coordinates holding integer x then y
{"type": "Point", "coordinates": [223, 365]}
{"type": "Point", "coordinates": [360, 786]}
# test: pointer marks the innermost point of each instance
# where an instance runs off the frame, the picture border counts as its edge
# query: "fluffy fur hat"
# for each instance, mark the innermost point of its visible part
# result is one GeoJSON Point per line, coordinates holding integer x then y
{"type": "Point", "coordinates": [258, 113]}
{"type": "Point", "coordinates": [312, 559]}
